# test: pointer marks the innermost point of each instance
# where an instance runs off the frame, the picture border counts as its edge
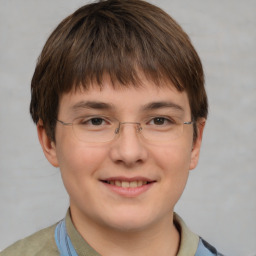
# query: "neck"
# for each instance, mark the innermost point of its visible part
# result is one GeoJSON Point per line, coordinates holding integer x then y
{"type": "Point", "coordinates": [161, 238]}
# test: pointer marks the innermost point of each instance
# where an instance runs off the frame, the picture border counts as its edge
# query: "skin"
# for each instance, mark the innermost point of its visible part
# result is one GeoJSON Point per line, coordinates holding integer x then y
{"type": "Point", "coordinates": [108, 221]}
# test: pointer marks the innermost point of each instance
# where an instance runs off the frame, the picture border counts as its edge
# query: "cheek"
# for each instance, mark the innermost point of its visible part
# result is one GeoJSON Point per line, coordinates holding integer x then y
{"type": "Point", "coordinates": [78, 162]}
{"type": "Point", "coordinates": [174, 159]}
{"type": "Point", "coordinates": [174, 162]}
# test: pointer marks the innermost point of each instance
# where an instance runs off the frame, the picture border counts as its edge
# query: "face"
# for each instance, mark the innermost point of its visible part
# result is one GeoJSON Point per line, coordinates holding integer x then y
{"type": "Point", "coordinates": [128, 183]}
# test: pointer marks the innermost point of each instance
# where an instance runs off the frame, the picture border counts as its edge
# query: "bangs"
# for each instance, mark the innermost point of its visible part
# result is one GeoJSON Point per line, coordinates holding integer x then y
{"type": "Point", "coordinates": [121, 45]}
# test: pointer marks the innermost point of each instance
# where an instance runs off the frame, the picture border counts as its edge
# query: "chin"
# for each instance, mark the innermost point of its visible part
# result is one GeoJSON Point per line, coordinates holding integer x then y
{"type": "Point", "coordinates": [130, 221]}
{"type": "Point", "coordinates": [128, 226]}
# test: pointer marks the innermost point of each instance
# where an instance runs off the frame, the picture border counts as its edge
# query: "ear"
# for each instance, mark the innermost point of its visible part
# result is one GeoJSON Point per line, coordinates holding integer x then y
{"type": "Point", "coordinates": [197, 144]}
{"type": "Point", "coordinates": [47, 144]}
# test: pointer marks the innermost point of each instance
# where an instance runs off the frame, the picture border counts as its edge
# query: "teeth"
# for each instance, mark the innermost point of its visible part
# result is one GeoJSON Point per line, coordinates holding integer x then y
{"type": "Point", "coordinates": [118, 183]}
{"type": "Point", "coordinates": [133, 184]}
{"type": "Point", "coordinates": [127, 184]}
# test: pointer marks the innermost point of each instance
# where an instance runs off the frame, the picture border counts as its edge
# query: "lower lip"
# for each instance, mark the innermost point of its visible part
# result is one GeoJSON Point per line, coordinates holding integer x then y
{"type": "Point", "coordinates": [129, 192]}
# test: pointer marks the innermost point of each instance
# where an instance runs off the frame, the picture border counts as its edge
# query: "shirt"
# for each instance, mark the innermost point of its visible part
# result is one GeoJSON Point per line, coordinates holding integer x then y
{"type": "Point", "coordinates": [43, 243]}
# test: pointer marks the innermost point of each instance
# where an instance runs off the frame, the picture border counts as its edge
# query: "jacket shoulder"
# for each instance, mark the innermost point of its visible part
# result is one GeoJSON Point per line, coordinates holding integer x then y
{"type": "Point", "coordinates": [41, 243]}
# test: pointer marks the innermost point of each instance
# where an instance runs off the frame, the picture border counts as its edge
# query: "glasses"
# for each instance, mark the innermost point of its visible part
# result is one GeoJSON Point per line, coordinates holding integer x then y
{"type": "Point", "coordinates": [100, 129]}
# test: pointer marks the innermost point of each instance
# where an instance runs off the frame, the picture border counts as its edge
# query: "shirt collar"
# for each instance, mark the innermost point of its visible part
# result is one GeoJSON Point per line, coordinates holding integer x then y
{"type": "Point", "coordinates": [188, 240]}
{"type": "Point", "coordinates": [81, 246]}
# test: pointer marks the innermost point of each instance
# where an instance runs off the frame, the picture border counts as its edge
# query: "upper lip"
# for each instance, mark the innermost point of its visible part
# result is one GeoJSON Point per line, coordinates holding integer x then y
{"type": "Point", "coordinates": [128, 179]}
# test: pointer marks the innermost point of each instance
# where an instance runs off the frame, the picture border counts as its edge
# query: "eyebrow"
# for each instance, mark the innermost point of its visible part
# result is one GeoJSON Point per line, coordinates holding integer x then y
{"type": "Point", "coordinates": [106, 106]}
{"type": "Point", "coordinates": [92, 105]}
{"type": "Point", "coordinates": [162, 104]}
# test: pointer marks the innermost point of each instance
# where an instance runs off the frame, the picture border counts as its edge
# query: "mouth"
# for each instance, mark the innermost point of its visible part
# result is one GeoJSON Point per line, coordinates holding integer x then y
{"type": "Point", "coordinates": [128, 187]}
{"type": "Point", "coordinates": [127, 184]}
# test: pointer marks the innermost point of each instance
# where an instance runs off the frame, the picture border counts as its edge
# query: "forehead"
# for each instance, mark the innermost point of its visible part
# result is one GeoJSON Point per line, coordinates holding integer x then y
{"type": "Point", "coordinates": [119, 97]}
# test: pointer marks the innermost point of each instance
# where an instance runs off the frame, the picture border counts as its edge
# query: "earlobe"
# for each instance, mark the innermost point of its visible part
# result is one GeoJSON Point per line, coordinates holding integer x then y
{"type": "Point", "coordinates": [47, 144]}
{"type": "Point", "coordinates": [197, 144]}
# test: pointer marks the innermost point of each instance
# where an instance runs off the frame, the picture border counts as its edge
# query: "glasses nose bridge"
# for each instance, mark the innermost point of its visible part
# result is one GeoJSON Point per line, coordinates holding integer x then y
{"type": "Point", "coordinates": [138, 126]}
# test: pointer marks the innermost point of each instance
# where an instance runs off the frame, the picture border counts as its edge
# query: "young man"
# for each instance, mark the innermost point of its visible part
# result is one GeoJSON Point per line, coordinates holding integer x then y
{"type": "Point", "coordinates": [120, 106]}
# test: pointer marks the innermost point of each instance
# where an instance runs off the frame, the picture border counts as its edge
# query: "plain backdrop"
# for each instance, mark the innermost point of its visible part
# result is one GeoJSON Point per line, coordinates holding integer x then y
{"type": "Point", "coordinates": [219, 202]}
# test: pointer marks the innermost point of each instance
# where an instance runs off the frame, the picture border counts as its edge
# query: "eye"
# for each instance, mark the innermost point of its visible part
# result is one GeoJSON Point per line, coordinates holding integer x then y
{"type": "Point", "coordinates": [92, 121]}
{"type": "Point", "coordinates": [161, 121]}
{"type": "Point", "coordinates": [96, 121]}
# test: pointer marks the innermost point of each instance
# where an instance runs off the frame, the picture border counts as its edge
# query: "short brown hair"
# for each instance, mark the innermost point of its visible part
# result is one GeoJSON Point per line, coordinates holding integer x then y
{"type": "Point", "coordinates": [120, 38]}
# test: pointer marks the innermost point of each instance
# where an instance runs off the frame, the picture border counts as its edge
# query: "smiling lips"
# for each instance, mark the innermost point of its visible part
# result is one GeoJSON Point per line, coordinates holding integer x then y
{"type": "Point", "coordinates": [127, 184]}
{"type": "Point", "coordinates": [128, 187]}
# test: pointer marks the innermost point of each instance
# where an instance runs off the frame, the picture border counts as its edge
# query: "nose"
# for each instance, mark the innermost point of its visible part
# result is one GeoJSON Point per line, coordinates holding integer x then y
{"type": "Point", "coordinates": [127, 148]}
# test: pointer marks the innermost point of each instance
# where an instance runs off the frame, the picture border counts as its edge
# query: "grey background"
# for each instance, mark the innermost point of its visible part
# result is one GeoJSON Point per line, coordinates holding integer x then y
{"type": "Point", "coordinates": [219, 202]}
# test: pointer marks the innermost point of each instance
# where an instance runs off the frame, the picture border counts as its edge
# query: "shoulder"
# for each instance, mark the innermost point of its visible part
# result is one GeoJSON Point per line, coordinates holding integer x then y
{"type": "Point", "coordinates": [41, 243]}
